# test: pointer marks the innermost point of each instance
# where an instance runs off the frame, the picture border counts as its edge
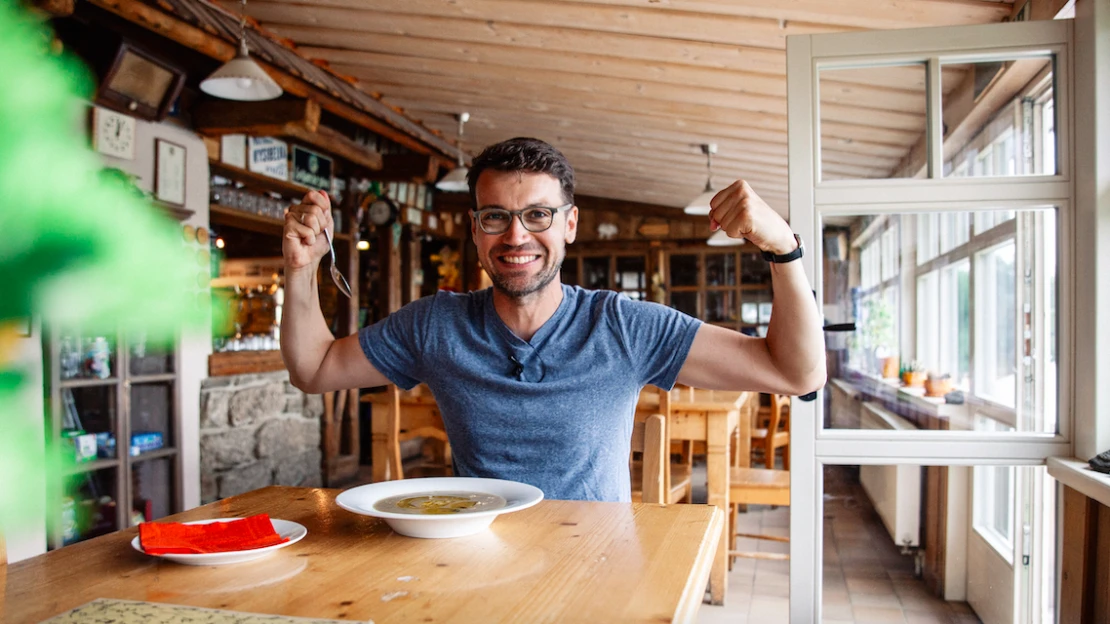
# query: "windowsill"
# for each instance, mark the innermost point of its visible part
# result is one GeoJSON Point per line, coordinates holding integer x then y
{"type": "Point", "coordinates": [1076, 474]}
{"type": "Point", "coordinates": [892, 389]}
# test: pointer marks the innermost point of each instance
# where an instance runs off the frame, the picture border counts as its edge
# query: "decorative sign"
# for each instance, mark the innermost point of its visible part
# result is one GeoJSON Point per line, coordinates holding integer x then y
{"type": "Point", "coordinates": [268, 156]}
{"type": "Point", "coordinates": [169, 172]}
{"type": "Point", "coordinates": [651, 230]}
{"type": "Point", "coordinates": [311, 169]}
{"type": "Point", "coordinates": [415, 216]}
{"type": "Point", "coordinates": [233, 150]}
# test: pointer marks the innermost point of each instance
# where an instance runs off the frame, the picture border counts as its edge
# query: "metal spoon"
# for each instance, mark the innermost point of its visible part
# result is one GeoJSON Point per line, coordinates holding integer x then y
{"type": "Point", "coordinates": [336, 276]}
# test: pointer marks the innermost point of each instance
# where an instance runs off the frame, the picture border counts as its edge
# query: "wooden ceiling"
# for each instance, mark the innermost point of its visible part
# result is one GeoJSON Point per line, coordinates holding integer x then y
{"type": "Point", "coordinates": [630, 89]}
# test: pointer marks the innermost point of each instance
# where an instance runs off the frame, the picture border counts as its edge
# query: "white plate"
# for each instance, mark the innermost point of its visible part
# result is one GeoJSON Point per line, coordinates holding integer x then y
{"type": "Point", "coordinates": [361, 500]}
{"type": "Point", "coordinates": [284, 528]}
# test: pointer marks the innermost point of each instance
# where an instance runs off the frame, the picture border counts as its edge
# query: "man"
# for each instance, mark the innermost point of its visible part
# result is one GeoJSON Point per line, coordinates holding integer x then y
{"type": "Point", "coordinates": [536, 381]}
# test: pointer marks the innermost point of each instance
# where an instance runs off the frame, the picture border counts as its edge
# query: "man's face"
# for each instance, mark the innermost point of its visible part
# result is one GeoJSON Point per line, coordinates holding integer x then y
{"type": "Point", "coordinates": [520, 262]}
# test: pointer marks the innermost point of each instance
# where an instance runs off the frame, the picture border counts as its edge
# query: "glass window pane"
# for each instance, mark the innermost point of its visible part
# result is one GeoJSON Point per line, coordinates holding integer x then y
{"type": "Point", "coordinates": [870, 117]}
{"type": "Point", "coordinates": [981, 338]}
{"type": "Point", "coordinates": [685, 302]}
{"type": "Point", "coordinates": [720, 306]}
{"type": "Point", "coordinates": [874, 516]}
{"type": "Point", "coordinates": [1008, 134]}
{"type": "Point", "coordinates": [720, 269]}
{"type": "Point", "coordinates": [568, 273]}
{"type": "Point", "coordinates": [684, 269]}
{"type": "Point", "coordinates": [595, 273]}
{"type": "Point", "coordinates": [996, 333]}
{"type": "Point", "coordinates": [631, 273]}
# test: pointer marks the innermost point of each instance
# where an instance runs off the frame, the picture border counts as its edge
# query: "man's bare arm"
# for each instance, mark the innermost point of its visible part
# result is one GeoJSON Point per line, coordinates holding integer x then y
{"type": "Point", "coordinates": [316, 361]}
{"type": "Point", "coordinates": [791, 359]}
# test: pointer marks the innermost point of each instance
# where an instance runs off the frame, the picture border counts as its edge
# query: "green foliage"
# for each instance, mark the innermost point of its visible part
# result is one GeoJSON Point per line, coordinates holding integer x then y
{"type": "Point", "coordinates": [77, 248]}
{"type": "Point", "coordinates": [878, 326]}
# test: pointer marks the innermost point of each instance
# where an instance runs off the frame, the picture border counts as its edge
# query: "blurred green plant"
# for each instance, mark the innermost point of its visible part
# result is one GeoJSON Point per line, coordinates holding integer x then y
{"type": "Point", "coordinates": [77, 248]}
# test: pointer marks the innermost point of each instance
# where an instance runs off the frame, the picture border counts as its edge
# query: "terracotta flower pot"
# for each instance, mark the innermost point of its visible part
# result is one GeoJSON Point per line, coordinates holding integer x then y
{"type": "Point", "coordinates": [914, 379]}
{"type": "Point", "coordinates": [890, 367]}
{"type": "Point", "coordinates": [937, 387]}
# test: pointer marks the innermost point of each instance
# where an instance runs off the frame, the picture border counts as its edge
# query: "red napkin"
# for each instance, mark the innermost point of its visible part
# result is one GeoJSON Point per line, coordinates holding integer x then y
{"type": "Point", "coordinates": [161, 538]}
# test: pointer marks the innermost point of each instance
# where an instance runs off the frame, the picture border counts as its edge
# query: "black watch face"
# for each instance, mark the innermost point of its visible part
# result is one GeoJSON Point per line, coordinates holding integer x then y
{"type": "Point", "coordinates": [380, 212]}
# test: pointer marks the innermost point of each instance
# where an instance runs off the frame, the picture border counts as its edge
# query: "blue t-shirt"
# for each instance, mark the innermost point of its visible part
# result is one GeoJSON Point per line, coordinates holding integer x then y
{"type": "Point", "coordinates": [561, 419]}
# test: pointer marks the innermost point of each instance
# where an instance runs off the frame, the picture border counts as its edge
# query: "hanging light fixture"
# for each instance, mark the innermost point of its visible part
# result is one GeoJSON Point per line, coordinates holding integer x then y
{"type": "Point", "coordinates": [720, 239]}
{"type": "Point", "coordinates": [455, 180]}
{"type": "Point", "coordinates": [700, 204]}
{"type": "Point", "coordinates": [241, 78]}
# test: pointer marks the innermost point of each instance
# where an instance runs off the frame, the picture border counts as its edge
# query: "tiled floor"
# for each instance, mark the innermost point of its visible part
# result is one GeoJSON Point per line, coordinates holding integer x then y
{"type": "Point", "coordinates": [866, 578]}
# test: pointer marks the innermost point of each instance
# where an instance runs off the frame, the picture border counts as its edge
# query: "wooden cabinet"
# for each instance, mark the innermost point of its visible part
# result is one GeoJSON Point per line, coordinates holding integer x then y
{"type": "Point", "coordinates": [112, 431]}
{"type": "Point", "coordinates": [623, 272]}
{"type": "Point", "coordinates": [730, 288]}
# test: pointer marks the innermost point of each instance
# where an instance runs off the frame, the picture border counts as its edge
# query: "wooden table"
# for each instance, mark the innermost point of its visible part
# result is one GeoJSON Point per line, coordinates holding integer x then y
{"type": "Point", "coordinates": [557, 561]}
{"type": "Point", "coordinates": [711, 416]}
{"type": "Point", "coordinates": [393, 411]}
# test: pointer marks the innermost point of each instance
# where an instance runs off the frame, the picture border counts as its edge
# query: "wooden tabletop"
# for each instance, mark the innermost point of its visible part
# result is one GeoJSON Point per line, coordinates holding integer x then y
{"type": "Point", "coordinates": [557, 561]}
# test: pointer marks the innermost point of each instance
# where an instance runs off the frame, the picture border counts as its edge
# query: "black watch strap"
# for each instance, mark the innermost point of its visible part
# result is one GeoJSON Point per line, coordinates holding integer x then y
{"type": "Point", "coordinates": [787, 257]}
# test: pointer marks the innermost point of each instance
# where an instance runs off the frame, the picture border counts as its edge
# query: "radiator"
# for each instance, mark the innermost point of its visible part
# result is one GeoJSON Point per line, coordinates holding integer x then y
{"type": "Point", "coordinates": [895, 491]}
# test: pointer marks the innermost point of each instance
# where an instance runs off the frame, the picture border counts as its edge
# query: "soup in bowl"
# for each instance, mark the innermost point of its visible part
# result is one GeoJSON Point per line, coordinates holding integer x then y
{"type": "Point", "coordinates": [439, 506]}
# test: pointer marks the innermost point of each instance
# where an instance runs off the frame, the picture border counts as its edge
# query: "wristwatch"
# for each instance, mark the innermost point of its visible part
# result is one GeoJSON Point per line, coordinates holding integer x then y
{"type": "Point", "coordinates": [786, 257]}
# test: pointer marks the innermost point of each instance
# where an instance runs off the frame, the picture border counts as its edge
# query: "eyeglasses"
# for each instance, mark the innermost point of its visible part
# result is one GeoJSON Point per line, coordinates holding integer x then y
{"type": "Point", "coordinates": [534, 218]}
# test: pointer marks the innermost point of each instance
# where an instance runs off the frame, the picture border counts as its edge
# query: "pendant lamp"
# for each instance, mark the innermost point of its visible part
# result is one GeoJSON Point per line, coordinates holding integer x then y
{"type": "Point", "coordinates": [700, 204]}
{"type": "Point", "coordinates": [241, 78]}
{"type": "Point", "coordinates": [455, 180]}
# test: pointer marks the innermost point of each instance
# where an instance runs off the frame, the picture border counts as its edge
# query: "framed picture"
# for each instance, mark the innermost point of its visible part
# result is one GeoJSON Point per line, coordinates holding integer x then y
{"type": "Point", "coordinates": [169, 172]}
{"type": "Point", "coordinates": [140, 84]}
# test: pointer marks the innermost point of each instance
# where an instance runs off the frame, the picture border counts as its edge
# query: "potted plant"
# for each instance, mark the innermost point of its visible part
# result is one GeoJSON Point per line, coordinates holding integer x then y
{"type": "Point", "coordinates": [913, 374]}
{"type": "Point", "coordinates": [878, 336]}
{"type": "Point", "coordinates": [938, 385]}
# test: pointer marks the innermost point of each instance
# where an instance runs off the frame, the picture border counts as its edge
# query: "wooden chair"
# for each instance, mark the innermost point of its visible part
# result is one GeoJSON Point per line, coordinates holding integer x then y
{"type": "Point", "coordinates": [776, 434]}
{"type": "Point", "coordinates": [340, 437]}
{"type": "Point", "coordinates": [419, 421]}
{"type": "Point", "coordinates": [678, 482]}
{"type": "Point", "coordinates": [756, 486]}
{"type": "Point", "coordinates": [650, 439]}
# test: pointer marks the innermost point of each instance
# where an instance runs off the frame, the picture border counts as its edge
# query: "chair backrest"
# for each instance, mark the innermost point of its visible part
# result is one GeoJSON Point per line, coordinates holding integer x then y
{"type": "Point", "coordinates": [780, 403]}
{"type": "Point", "coordinates": [649, 438]}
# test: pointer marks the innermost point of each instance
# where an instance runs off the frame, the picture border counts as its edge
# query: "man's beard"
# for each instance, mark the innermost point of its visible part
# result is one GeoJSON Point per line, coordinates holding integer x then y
{"type": "Point", "coordinates": [534, 285]}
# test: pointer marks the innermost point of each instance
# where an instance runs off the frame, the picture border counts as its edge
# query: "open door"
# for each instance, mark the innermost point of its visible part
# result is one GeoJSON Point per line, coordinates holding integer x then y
{"type": "Point", "coordinates": [931, 176]}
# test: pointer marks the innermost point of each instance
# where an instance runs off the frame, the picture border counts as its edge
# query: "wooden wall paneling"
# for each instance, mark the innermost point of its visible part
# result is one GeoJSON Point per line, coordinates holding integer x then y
{"type": "Point", "coordinates": [1078, 558]}
{"type": "Point", "coordinates": [1100, 588]}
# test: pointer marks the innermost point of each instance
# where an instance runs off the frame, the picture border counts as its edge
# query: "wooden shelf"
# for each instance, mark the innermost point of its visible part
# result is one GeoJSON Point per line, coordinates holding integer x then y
{"type": "Point", "coordinates": [87, 383]}
{"type": "Point", "coordinates": [244, 362]}
{"type": "Point", "coordinates": [145, 379]}
{"type": "Point", "coordinates": [243, 220]}
{"type": "Point", "coordinates": [93, 466]}
{"type": "Point", "coordinates": [156, 454]}
{"type": "Point", "coordinates": [257, 181]}
{"type": "Point", "coordinates": [178, 213]}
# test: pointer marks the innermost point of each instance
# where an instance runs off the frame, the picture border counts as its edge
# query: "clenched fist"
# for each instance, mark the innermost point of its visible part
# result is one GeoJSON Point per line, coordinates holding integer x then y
{"type": "Point", "coordinates": [742, 214]}
{"type": "Point", "coordinates": [302, 245]}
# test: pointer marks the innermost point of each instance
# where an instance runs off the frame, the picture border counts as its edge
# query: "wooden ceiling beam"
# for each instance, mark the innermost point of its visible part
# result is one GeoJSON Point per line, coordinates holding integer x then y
{"type": "Point", "coordinates": [413, 136]}
{"type": "Point", "coordinates": [639, 209]}
{"type": "Point", "coordinates": [419, 168]}
{"type": "Point", "coordinates": [494, 14]}
{"type": "Point", "coordinates": [623, 95]}
{"type": "Point", "coordinates": [339, 34]}
{"type": "Point", "coordinates": [293, 119]}
{"type": "Point", "coordinates": [865, 14]}
{"type": "Point", "coordinates": [723, 123]}
{"type": "Point", "coordinates": [213, 117]}
{"type": "Point", "coordinates": [762, 91]}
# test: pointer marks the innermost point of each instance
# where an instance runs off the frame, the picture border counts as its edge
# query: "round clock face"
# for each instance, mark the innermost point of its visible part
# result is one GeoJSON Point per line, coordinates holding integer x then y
{"type": "Point", "coordinates": [115, 134]}
{"type": "Point", "coordinates": [381, 212]}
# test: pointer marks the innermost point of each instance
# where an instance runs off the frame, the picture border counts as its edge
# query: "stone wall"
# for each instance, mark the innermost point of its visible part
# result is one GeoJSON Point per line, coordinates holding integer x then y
{"type": "Point", "coordinates": [257, 430]}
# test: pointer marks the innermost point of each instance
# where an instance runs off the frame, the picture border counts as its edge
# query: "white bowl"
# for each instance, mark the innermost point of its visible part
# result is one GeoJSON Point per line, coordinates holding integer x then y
{"type": "Point", "coordinates": [361, 500]}
{"type": "Point", "coordinates": [285, 528]}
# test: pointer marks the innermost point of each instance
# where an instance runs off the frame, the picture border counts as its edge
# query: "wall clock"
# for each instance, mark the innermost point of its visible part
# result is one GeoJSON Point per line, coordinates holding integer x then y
{"type": "Point", "coordinates": [382, 211]}
{"type": "Point", "coordinates": [114, 133]}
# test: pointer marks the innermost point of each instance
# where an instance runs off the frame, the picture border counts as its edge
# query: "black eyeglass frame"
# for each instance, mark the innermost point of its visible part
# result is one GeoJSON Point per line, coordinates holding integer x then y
{"type": "Point", "coordinates": [477, 215]}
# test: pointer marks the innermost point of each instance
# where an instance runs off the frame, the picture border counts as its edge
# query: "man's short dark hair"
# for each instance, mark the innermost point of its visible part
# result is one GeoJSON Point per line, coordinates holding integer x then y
{"type": "Point", "coordinates": [525, 155]}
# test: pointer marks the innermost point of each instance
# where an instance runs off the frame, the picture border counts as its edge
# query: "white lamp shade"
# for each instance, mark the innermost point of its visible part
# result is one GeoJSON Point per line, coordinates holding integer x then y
{"type": "Point", "coordinates": [454, 181]}
{"type": "Point", "coordinates": [700, 205]}
{"type": "Point", "coordinates": [720, 239]}
{"type": "Point", "coordinates": [241, 79]}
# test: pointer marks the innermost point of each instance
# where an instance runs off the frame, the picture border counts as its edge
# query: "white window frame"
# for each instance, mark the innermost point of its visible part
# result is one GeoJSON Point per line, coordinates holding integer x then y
{"type": "Point", "coordinates": [811, 199]}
